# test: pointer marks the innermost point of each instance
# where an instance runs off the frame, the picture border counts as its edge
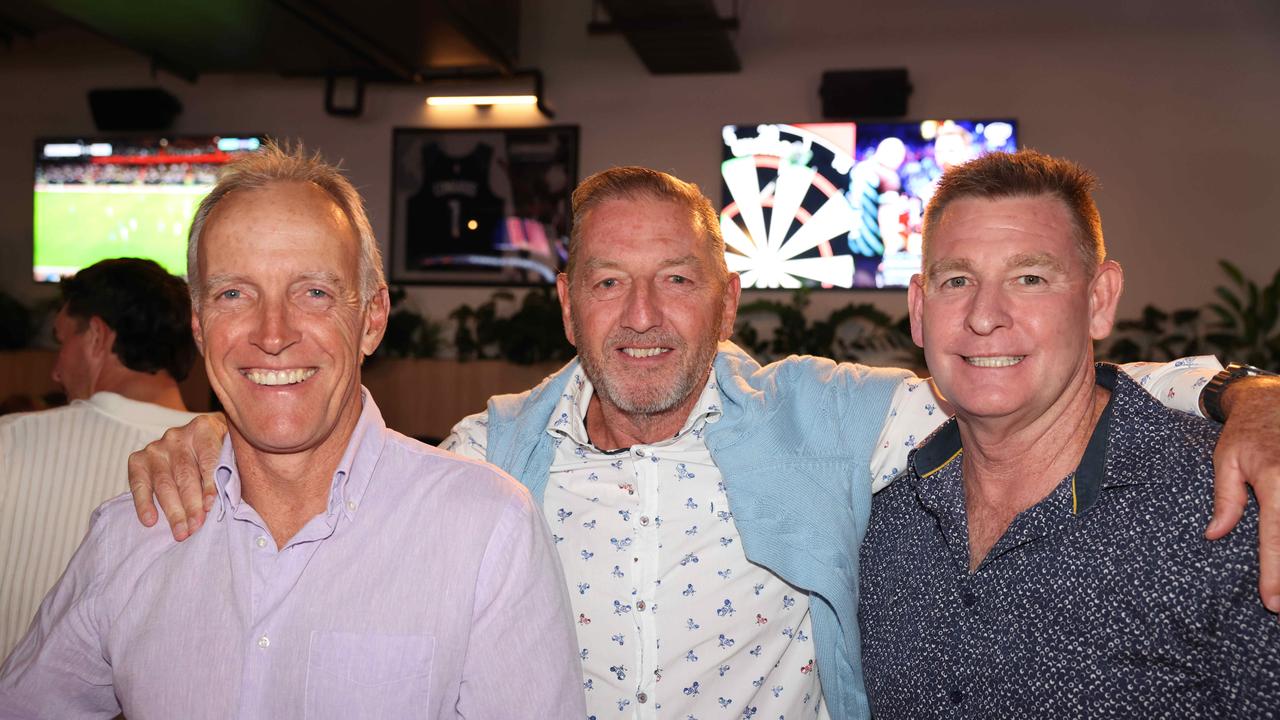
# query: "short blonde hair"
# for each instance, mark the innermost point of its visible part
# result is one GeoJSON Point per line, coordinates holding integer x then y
{"type": "Point", "coordinates": [276, 163]}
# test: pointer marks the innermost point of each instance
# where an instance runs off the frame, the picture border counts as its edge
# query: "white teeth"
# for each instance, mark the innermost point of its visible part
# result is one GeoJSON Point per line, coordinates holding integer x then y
{"type": "Point", "coordinates": [279, 377]}
{"type": "Point", "coordinates": [644, 352]}
{"type": "Point", "coordinates": [995, 362]}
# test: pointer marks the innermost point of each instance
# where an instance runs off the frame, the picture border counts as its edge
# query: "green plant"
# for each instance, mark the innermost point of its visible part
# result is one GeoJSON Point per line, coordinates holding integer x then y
{"type": "Point", "coordinates": [852, 332]}
{"type": "Point", "coordinates": [1158, 335]}
{"type": "Point", "coordinates": [409, 334]}
{"type": "Point", "coordinates": [532, 333]}
{"type": "Point", "coordinates": [1247, 319]}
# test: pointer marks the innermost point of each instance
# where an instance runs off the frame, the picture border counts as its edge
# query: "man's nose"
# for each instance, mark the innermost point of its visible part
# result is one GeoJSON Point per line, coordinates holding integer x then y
{"type": "Point", "coordinates": [989, 310]}
{"type": "Point", "coordinates": [275, 330]}
{"type": "Point", "coordinates": [643, 311]}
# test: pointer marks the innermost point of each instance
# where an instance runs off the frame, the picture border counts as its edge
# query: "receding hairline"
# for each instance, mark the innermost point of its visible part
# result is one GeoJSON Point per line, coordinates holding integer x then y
{"type": "Point", "coordinates": [1080, 235]}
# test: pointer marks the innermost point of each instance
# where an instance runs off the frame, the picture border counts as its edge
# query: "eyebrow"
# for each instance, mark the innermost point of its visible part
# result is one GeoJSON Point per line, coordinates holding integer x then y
{"type": "Point", "coordinates": [1033, 260]}
{"type": "Point", "coordinates": [948, 265]}
{"type": "Point", "coordinates": [603, 264]}
{"type": "Point", "coordinates": [1021, 260]}
{"type": "Point", "coordinates": [323, 276]}
{"type": "Point", "coordinates": [317, 276]}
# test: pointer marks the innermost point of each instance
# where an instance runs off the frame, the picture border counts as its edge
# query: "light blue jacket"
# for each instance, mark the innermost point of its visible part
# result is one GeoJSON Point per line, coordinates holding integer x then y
{"type": "Point", "coordinates": [794, 445]}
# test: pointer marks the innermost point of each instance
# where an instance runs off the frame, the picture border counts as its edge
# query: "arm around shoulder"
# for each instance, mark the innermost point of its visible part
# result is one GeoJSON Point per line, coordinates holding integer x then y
{"type": "Point", "coordinates": [469, 438]}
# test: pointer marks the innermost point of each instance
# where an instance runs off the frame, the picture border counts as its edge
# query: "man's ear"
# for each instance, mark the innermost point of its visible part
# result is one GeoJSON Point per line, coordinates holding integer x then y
{"type": "Point", "coordinates": [100, 337]}
{"type": "Point", "coordinates": [566, 309]}
{"type": "Point", "coordinates": [1104, 296]}
{"type": "Point", "coordinates": [732, 296]}
{"type": "Point", "coordinates": [376, 313]}
{"type": "Point", "coordinates": [195, 331]}
{"type": "Point", "coordinates": [915, 308]}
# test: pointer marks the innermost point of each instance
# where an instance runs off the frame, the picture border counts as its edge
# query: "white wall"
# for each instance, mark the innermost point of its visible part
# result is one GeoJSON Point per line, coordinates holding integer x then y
{"type": "Point", "coordinates": [1173, 104]}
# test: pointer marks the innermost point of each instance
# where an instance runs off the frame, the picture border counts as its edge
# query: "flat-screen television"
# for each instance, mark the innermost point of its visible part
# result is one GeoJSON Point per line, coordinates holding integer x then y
{"type": "Point", "coordinates": [98, 198]}
{"type": "Point", "coordinates": [838, 205]}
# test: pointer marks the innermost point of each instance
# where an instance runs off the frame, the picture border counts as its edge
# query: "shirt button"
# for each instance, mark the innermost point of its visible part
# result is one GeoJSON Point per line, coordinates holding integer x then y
{"type": "Point", "coordinates": [264, 642]}
{"type": "Point", "coordinates": [956, 697]}
{"type": "Point", "coordinates": [644, 519]}
{"type": "Point", "coordinates": [351, 505]}
{"type": "Point", "coordinates": [641, 606]}
{"type": "Point", "coordinates": [642, 698]}
{"type": "Point", "coordinates": [639, 453]}
{"type": "Point", "coordinates": [261, 541]}
{"type": "Point", "coordinates": [968, 598]}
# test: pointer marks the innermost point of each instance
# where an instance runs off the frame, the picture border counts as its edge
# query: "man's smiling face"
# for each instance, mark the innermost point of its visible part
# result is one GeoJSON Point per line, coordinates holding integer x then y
{"type": "Point", "coordinates": [1007, 309]}
{"type": "Point", "coordinates": [647, 305]}
{"type": "Point", "coordinates": [281, 323]}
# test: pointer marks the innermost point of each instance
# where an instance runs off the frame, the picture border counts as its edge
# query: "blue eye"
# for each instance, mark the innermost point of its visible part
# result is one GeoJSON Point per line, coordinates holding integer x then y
{"type": "Point", "coordinates": [607, 283]}
{"type": "Point", "coordinates": [1031, 280]}
{"type": "Point", "coordinates": [230, 294]}
{"type": "Point", "coordinates": [317, 293]}
{"type": "Point", "coordinates": [955, 282]}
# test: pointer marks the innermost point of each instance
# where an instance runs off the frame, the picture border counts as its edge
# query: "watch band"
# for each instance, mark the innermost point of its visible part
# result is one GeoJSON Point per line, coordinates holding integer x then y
{"type": "Point", "coordinates": [1211, 395]}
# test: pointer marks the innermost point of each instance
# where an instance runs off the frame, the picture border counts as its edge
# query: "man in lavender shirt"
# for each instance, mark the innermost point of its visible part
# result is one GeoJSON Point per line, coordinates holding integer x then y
{"type": "Point", "coordinates": [347, 571]}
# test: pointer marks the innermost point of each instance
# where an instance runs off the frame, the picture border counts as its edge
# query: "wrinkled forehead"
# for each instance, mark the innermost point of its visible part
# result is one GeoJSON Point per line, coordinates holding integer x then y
{"type": "Point", "coordinates": [972, 226]}
{"type": "Point", "coordinates": [254, 229]}
{"type": "Point", "coordinates": [614, 227]}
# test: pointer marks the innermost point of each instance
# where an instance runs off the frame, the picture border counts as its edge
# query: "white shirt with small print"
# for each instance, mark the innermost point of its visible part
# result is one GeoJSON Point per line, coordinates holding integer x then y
{"type": "Point", "coordinates": [672, 619]}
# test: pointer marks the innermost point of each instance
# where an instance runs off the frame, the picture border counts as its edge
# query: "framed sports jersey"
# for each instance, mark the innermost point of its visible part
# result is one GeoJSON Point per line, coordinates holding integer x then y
{"type": "Point", "coordinates": [481, 207]}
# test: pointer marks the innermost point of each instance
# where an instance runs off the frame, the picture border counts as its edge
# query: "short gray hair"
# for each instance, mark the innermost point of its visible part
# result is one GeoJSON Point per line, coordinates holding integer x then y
{"type": "Point", "coordinates": [635, 183]}
{"type": "Point", "coordinates": [276, 163]}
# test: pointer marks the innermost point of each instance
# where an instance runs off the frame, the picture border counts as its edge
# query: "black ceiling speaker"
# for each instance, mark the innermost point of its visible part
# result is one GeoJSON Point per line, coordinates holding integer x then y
{"type": "Point", "coordinates": [132, 109]}
{"type": "Point", "coordinates": [864, 93]}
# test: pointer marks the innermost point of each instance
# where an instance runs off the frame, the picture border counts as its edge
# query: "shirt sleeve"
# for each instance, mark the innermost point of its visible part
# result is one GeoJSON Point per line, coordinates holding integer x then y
{"type": "Point", "coordinates": [1177, 384]}
{"type": "Point", "coordinates": [522, 661]}
{"type": "Point", "coordinates": [59, 669]}
{"type": "Point", "coordinates": [914, 412]}
{"type": "Point", "coordinates": [470, 437]}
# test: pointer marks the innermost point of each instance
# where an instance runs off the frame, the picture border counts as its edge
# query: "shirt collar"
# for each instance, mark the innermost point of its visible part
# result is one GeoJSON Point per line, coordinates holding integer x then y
{"type": "Point", "coordinates": [945, 446]}
{"type": "Point", "coordinates": [568, 419]}
{"type": "Point", "coordinates": [350, 480]}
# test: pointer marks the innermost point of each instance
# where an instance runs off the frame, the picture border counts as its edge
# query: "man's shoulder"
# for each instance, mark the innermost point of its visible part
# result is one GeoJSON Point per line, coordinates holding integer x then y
{"type": "Point", "coordinates": [116, 539]}
{"type": "Point", "coordinates": [1148, 437]}
{"type": "Point", "coordinates": [736, 369]}
{"type": "Point", "coordinates": [504, 407]}
{"type": "Point", "coordinates": [418, 466]}
{"type": "Point", "coordinates": [36, 418]}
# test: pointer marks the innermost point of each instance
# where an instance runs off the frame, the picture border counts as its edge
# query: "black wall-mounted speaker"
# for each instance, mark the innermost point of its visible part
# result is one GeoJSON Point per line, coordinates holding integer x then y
{"type": "Point", "coordinates": [131, 109]}
{"type": "Point", "coordinates": [864, 93]}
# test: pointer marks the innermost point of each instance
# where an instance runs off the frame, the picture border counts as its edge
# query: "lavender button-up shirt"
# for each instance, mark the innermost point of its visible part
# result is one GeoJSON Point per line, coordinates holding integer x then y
{"type": "Point", "coordinates": [429, 589]}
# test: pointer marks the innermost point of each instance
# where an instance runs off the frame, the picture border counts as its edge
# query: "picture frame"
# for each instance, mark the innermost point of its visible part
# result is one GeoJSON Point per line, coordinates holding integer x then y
{"type": "Point", "coordinates": [481, 206]}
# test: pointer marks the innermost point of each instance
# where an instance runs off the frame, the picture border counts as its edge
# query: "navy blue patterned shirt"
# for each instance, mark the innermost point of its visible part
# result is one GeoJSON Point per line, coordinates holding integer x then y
{"type": "Point", "coordinates": [1102, 600]}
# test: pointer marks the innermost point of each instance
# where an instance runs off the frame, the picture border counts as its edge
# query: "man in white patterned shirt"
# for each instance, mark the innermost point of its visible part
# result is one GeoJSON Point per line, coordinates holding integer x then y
{"type": "Point", "coordinates": [124, 334]}
{"type": "Point", "coordinates": [680, 614]}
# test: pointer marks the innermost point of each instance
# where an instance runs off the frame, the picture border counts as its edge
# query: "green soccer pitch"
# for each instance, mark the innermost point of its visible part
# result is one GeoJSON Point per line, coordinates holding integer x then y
{"type": "Point", "coordinates": [78, 225]}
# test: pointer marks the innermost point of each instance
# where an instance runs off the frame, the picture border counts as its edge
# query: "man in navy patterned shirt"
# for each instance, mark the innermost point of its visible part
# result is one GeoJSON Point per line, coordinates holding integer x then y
{"type": "Point", "coordinates": [1044, 555]}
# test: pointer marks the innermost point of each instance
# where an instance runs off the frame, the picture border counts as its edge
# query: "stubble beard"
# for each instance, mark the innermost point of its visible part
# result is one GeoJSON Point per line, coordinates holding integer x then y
{"type": "Point", "coordinates": [661, 393]}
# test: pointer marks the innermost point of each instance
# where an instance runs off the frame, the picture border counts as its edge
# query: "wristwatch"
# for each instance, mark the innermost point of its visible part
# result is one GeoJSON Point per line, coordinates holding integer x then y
{"type": "Point", "coordinates": [1211, 395]}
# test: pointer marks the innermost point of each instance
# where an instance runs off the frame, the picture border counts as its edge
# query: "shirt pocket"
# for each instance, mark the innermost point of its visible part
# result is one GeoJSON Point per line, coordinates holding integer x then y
{"type": "Point", "coordinates": [359, 675]}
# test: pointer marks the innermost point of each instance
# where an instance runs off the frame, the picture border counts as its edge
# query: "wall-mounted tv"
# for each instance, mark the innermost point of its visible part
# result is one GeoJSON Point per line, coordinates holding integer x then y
{"type": "Point", "coordinates": [98, 198]}
{"type": "Point", "coordinates": [838, 205]}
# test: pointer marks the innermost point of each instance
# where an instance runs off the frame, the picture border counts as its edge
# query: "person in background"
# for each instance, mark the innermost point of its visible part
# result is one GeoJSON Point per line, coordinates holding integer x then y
{"type": "Point", "coordinates": [124, 336]}
{"type": "Point", "coordinates": [1044, 554]}
{"type": "Point", "coordinates": [348, 571]}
